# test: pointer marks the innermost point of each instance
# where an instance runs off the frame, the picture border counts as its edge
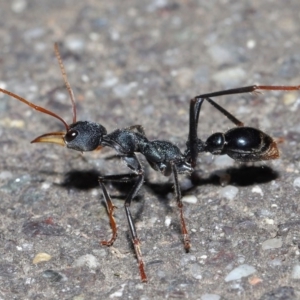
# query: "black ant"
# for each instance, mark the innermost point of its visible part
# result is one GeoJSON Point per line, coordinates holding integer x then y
{"type": "Point", "coordinates": [240, 143]}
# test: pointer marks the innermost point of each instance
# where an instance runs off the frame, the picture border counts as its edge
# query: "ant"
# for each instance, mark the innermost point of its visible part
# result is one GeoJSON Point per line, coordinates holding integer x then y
{"type": "Point", "coordinates": [241, 143]}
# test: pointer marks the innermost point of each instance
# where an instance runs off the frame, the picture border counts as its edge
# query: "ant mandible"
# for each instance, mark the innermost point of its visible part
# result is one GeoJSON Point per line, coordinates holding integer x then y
{"type": "Point", "coordinates": [240, 143]}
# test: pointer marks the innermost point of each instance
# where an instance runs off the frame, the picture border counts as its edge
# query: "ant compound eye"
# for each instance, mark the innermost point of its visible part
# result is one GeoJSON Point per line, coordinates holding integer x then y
{"type": "Point", "coordinates": [71, 135]}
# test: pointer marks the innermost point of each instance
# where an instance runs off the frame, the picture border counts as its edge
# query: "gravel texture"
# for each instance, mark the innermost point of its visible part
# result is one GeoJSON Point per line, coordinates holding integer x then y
{"type": "Point", "coordinates": [139, 62]}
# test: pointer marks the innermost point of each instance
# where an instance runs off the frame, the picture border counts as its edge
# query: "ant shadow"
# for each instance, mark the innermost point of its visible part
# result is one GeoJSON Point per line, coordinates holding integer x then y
{"type": "Point", "coordinates": [239, 176]}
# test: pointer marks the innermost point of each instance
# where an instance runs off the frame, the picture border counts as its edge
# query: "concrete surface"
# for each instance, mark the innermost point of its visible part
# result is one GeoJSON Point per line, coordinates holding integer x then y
{"type": "Point", "coordinates": [139, 62]}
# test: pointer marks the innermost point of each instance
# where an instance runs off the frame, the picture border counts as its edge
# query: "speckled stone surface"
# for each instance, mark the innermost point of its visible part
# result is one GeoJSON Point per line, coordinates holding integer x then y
{"type": "Point", "coordinates": [139, 62]}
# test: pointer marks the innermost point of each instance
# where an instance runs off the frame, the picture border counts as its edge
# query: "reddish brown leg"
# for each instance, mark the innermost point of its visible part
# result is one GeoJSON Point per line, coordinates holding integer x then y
{"type": "Point", "coordinates": [110, 210]}
{"type": "Point", "coordinates": [136, 245]}
{"type": "Point", "coordinates": [121, 178]}
{"type": "Point", "coordinates": [186, 239]}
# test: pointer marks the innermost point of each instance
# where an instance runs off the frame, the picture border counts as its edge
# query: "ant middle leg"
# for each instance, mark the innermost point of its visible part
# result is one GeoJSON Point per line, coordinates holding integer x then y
{"type": "Point", "coordinates": [135, 240]}
{"type": "Point", "coordinates": [186, 239]}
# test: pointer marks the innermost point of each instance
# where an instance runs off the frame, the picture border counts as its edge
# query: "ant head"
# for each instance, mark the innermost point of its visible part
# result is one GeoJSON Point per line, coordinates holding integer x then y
{"type": "Point", "coordinates": [84, 136]}
{"type": "Point", "coordinates": [81, 136]}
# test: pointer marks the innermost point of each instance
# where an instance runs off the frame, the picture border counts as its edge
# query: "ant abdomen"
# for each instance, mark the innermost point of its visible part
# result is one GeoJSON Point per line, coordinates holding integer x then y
{"type": "Point", "coordinates": [243, 144]}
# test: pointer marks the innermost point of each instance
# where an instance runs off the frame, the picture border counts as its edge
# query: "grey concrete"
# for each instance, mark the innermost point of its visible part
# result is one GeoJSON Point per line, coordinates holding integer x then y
{"type": "Point", "coordinates": [139, 62]}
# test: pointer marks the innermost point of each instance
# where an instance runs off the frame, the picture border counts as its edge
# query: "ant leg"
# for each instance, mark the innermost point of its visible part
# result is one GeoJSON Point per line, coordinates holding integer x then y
{"type": "Point", "coordinates": [134, 164]}
{"type": "Point", "coordinates": [241, 90]}
{"type": "Point", "coordinates": [135, 239]}
{"type": "Point", "coordinates": [186, 240]}
{"type": "Point", "coordinates": [195, 145]}
{"type": "Point", "coordinates": [226, 113]}
{"type": "Point", "coordinates": [110, 210]}
{"type": "Point", "coordinates": [192, 143]}
{"type": "Point", "coordinates": [250, 89]}
{"type": "Point", "coordinates": [108, 203]}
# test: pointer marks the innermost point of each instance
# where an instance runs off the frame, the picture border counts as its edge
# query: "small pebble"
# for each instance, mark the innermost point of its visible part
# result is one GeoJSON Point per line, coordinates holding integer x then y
{"type": "Point", "coordinates": [18, 6]}
{"type": "Point", "coordinates": [210, 297]}
{"type": "Point", "coordinates": [269, 221]}
{"type": "Point", "coordinates": [75, 44]}
{"type": "Point", "coordinates": [258, 190]}
{"type": "Point", "coordinates": [85, 78]}
{"type": "Point", "coordinates": [190, 199]}
{"type": "Point", "coordinates": [118, 293]}
{"type": "Point", "coordinates": [88, 260]}
{"type": "Point", "coordinates": [27, 247]}
{"type": "Point", "coordinates": [289, 98]}
{"type": "Point", "coordinates": [296, 182]}
{"type": "Point", "coordinates": [168, 221]}
{"type": "Point", "coordinates": [272, 244]}
{"type": "Point", "coordinates": [255, 280]}
{"type": "Point", "coordinates": [46, 185]}
{"type": "Point", "coordinates": [239, 272]}
{"type": "Point", "coordinates": [229, 192]}
{"type": "Point", "coordinates": [7, 122]}
{"type": "Point", "coordinates": [40, 257]}
{"type": "Point", "coordinates": [296, 272]}
{"type": "Point", "coordinates": [3, 85]}
{"type": "Point", "coordinates": [251, 44]}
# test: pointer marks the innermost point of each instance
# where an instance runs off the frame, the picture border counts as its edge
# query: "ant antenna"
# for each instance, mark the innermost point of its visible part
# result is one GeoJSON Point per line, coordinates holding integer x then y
{"type": "Point", "coordinates": [63, 72]}
{"type": "Point", "coordinates": [44, 110]}
{"type": "Point", "coordinates": [36, 107]}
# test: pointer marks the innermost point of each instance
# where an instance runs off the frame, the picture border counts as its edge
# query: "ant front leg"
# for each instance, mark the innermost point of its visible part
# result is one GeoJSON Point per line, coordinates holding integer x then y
{"type": "Point", "coordinates": [134, 164]}
{"type": "Point", "coordinates": [110, 210]}
{"type": "Point", "coordinates": [108, 202]}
